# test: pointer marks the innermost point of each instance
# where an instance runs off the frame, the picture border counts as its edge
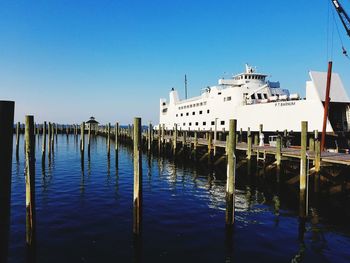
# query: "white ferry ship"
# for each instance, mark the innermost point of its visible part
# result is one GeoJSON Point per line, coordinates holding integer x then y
{"type": "Point", "coordinates": [253, 100]}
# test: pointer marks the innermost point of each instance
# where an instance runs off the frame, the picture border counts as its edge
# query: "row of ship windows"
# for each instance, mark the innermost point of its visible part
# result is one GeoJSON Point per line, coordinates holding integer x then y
{"type": "Point", "coordinates": [193, 113]}
{"type": "Point", "coordinates": [250, 77]}
{"type": "Point", "coordinates": [204, 123]}
{"type": "Point", "coordinates": [193, 105]}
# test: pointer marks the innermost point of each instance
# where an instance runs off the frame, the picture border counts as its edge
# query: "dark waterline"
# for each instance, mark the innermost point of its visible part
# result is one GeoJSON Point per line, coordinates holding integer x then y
{"type": "Point", "coordinates": [86, 215]}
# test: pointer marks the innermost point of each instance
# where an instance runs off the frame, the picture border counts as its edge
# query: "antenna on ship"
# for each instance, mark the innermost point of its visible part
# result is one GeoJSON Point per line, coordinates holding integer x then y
{"type": "Point", "coordinates": [185, 87]}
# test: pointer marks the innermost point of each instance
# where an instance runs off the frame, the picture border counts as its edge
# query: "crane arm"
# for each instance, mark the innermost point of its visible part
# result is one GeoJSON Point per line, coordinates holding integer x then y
{"type": "Point", "coordinates": [342, 15]}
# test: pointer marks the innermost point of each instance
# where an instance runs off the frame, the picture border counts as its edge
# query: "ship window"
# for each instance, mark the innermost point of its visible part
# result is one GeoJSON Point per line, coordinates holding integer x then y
{"type": "Point", "coordinates": [259, 96]}
{"type": "Point", "coordinates": [228, 98]}
{"type": "Point", "coordinates": [165, 110]}
{"type": "Point", "coordinates": [196, 123]}
{"type": "Point", "coordinates": [208, 111]}
{"type": "Point", "coordinates": [176, 115]}
{"type": "Point", "coordinates": [186, 113]}
{"type": "Point", "coordinates": [190, 124]}
{"type": "Point", "coordinates": [184, 124]}
{"type": "Point", "coordinates": [222, 122]}
{"type": "Point", "coordinates": [200, 112]}
{"type": "Point", "coordinates": [163, 103]}
{"type": "Point", "coordinates": [245, 76]}
{"type": "Point", "coordinates": [219, 93]}
{"type": "Point", "coordinates": [265, 95]}
{"type": "Point", "coordinates": [182, 114]}
{"type": "Point", "coordinates": [204, 123]}
{"type": "Point", "coordinates": [201, 103]}
{"type": "Point", "coordinates": [193, 113]}
{"type": "Point", "coordinates": [213, 123]}
{"type": "Point", "coordinates": [197, 104]}
{"type": "Point", "coordinates": [252, 96]}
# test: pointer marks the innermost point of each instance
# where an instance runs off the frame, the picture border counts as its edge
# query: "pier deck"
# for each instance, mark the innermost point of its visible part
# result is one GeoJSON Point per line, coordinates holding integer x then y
{"type": "Point", "coordinates": [291, 152]}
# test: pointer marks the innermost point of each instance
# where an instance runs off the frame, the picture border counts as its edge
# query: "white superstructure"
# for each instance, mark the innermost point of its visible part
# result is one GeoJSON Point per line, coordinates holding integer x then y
{"type": "Point", "coordinates": [252, 100]}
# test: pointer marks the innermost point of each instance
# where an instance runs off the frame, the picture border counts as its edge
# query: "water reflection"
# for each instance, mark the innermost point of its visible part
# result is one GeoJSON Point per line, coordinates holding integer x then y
{"type": "Point", "coordinates": [4, 226]}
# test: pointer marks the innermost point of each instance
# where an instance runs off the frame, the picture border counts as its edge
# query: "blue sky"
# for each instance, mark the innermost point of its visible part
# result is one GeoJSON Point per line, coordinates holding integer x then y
{"type": "Point", "coordinates": [64, 61]}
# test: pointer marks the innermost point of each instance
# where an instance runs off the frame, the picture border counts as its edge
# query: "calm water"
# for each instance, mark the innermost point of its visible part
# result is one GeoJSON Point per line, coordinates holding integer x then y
{"type": "Point", "coordinates": [86, 216]}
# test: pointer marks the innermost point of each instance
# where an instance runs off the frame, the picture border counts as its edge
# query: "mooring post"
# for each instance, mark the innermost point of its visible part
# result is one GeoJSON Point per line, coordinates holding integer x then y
{"type": "Point", "coordinates": [227, 145]}
{"type": "Point", "coordinates": [30, 179]}
{"type": "Point", "coordinates": [49, 139]}
{"type": "Point", "coordinates": [231, 173]}
{"type": "Point", "coordinates": [241, 135]}
{"type": "Point", "coordinates": [249, 144]}
{"type": "Point", "coordinates": [210, 144]}
{"type": "Point", "coordinates": [183, 140]}
{"type": "Point", "coordinates": [195, 145]}
{"type": "Point", "coordinates": [317, 156]}
{"type": "Point", "coordinates": [303, 171]}
{"type": "Point", "coordinates": [215, 135]}
{"type": "Point", "coordinates": [89, 139]}
{"type": "Point", "coordinates": [163, 134]}
{"type": "Point", "coordinates": [17, 139]}
{"type": "Point", "coordinates": [311, 144]}
{"type": "Point", "coordinates": [278, 151]}
{"type": "Point", "coordinates": [175, 139]}
{"type": "Point", "coordinates": [82, 138]}
{"type": "Point", "coordinates": [109, 140]}
{"type": "Point", "coordinates": [137, 177]}
{"type": "Point", "coordinates": [53, 136]}
{"type": "Point", "coordinates": [6, 143]}
{"type": "Point", "coordinates": [149, 138]}
{"type": "Point", "coordinates": [256, 139]}
{"type": "Point", "coordinates": [116, 131]}
{"type": "Point", "coordinates": [43, 149]}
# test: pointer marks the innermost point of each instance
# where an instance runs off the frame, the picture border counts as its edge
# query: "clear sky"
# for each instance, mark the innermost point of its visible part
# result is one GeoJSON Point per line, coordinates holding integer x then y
{"type": "Point", "coordinates": [64, 61]}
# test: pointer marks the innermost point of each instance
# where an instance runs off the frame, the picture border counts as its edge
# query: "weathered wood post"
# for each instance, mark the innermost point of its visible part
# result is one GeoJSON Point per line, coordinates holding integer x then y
{"type": "Point", "coordinates": [210, 144]}
{"type": "Point", "coordinates": [17, 139]}
{"type": "Point", "coordinates": [249, 143]}
{"type": "Point", "coordinates": [53, 136]}
{"type": "Point", "coordinates": [137, 177]}
{"type": "Point", "coordinates": [195, 144]}
{"type": "Point", "coordinates": [82, 138]}
{"type": "Point", "coordinates": [311, 144]}
{"type": "Point", "coordinates": [43, 149]}
{"type": "Point", "coordinates": [317, 156]}
{"type": "Point", "coordinates": [6, 143]}
{"type": "Point", "coordinates": [256, 139]}
{"type": "Point", "coordinates": [241, 135]}
{"type": "Point", "coordinates": [175, 139]}
{"type": "Point", "coordinates": [149, 139]}
{"type": "Point", "coordinates": [303, 171]}
{"type": "Point", "coordinates": [163, 134]}
{"type": "Point", "coordinates": [109, 140]}
{"type": "Point", "coordinates": [278, 151]}
{"type": "Point", "coordinates": [215, 135]}
{"type": "Point", "coordinates": [231, 173]}
{"type": "Point", "coordinates": [49, 139]}
{"type": "Point", "coordinates": [159, 139]}
{"type": "Point", "coordinates": [116, 148]}
{"type": "Point", "coordinates": [30, 179]}
{"type": "Point", "coordinates": [89, 139]}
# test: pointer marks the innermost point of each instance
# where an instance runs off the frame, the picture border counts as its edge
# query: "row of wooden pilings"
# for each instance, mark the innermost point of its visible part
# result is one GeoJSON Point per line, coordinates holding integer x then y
{"type": "Point", "coordinates": [135, 134]}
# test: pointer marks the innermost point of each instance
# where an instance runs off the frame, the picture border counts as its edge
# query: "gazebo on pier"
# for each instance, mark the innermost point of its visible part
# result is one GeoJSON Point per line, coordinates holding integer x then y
{"type": "Point", "coordinates": [92, 123]}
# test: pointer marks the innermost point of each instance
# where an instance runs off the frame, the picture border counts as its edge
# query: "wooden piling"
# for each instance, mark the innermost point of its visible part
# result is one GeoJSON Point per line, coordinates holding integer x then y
{"type": "Point", "coordinates": [175, 139]}
{"type": "Point", "coordinates": [149, 138]}
{"type": "Point", "coordinates": [249, 144]}
{"type": "Point", "coordinates": [6, 144]}
{"type": "Point", "coordinates": [210, 145]}
{"type": "Point", "coordinates": [43, 147]}
{"type": "Point", "coordinates": [30, 179]}
{"type": "Point", "coordinates": [303, 171]}
{"type": "Point", "coordinates": [89, 139]}
{"type": "Point", "coordinates": [137, 178]}
{"type": "Point", "coordinates": [278, 151]}
{"type": "Point", "coordinates": [109, 140]}
{"type": "Point", "coordinates": [82, 138]}
{"type": "Point", "coordinates": [17, 139]}
{"type": "Point", "coordinates": [116, 131]}
{"type": "Point", "coordinates": [49, 129]}
{"type": "Point", "coordinates": [256, 139]}
{"type": "Point", "coordinates": [231, 172]}
{"type": "Point", "coordinates": [317, 156]}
